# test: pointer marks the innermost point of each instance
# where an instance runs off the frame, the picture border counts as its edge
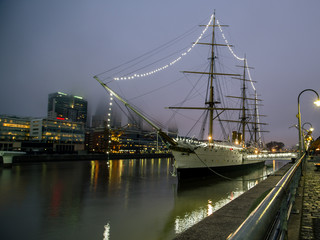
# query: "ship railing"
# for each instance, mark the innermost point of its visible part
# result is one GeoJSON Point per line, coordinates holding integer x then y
{"type": "Point", "coordinates": [273, 155]}
{"type": "Point", "coordinates": [269, 219]}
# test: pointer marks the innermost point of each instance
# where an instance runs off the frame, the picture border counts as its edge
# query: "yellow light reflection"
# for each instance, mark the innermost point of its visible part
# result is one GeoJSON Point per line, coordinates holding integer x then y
{"type": "Point", "coordinates": [274, 165]}
{"type": "Point", "coordinates": [189, 219]}
{"type": "Point", "coordinates": [210, 208]}
{"type": "Point", "coordinates": [106, 233]}
{"type": "Point", "coordinates": [94, 174]}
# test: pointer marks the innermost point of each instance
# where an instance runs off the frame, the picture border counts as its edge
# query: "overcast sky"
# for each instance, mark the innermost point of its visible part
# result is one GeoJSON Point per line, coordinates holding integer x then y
{"type": "Point", "coordinates": [48, 46]}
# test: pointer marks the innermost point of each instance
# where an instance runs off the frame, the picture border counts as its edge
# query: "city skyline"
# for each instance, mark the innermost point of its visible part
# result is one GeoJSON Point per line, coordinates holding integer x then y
{"type": "Point", "coordinates": [59, 46]}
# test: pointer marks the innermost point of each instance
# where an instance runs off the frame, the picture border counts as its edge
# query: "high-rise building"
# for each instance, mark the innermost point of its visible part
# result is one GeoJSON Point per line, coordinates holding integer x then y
{"type": "Point", "coordinates": [67, 107]}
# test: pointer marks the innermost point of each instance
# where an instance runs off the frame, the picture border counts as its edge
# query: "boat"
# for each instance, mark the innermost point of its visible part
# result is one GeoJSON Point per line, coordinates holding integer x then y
{"type": "Point", "coordinates": [194, 157]}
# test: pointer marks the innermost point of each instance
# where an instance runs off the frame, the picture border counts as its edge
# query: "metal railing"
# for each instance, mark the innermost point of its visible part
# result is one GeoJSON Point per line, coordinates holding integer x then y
{"type": "Point", "coordinates": [269, 219]}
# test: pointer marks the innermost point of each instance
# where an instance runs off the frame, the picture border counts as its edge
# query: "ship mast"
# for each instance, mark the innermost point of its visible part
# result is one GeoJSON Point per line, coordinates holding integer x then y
{"type": "Point", "coordinates": [211, 103]}
{"type": "Point", "coordinates": [255, 118]}
{"type": "Point", "coordinates": [243, 119]}
{"type": "Point", "coordinates": [210, 100]}
{"type": "Point", "coordinates": [256, 124]}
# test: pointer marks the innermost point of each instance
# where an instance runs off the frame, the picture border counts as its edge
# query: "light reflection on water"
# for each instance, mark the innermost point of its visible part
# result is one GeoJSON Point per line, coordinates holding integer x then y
{"type": "Point", "coordinates": [119, 199]}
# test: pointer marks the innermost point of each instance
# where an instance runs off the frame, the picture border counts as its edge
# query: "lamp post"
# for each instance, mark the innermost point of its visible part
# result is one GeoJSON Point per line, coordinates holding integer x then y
{"type": "Point", "coordinates": [306, 134]}
{"type": "Point", "coordinates": [299, 117]}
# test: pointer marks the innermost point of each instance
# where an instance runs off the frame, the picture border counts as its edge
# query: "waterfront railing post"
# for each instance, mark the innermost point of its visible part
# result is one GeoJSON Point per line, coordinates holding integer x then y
{"type": "Point", "coordinates": [269, 219]}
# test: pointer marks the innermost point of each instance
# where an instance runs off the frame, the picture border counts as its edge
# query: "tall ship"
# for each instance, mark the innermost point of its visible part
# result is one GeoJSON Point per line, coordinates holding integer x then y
{"type": "Point", "coordinates": [194, 157]}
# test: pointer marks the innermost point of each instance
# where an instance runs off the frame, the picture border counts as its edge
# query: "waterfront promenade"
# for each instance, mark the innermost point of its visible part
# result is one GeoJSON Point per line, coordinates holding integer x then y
{"type": "Point", "coordinates": [222, 223]}
{"type": "Point", "coordinates": [311, 202]}
{"type": "Point", "coordinates": [304, 222]}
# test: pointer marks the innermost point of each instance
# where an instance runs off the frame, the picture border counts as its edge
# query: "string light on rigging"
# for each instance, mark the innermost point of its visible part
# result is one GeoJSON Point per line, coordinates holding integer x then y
{"type": "Point", "coordinates": [249, 74]}
{"type": "Point", "coordinates": [185, 53]}
{"type": "Point", "coordinates": [109, 113]}
{"type": "Point", "coordinates": [171, 63]}
{"type": "Point", "coordinates": [226, 41]}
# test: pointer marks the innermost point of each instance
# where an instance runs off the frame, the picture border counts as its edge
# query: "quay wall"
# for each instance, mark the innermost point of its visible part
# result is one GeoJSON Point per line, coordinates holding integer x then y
{"type": "Point", "coordinates": [81, 157]}
{"type": "Point", "coordinates": [227, 219]}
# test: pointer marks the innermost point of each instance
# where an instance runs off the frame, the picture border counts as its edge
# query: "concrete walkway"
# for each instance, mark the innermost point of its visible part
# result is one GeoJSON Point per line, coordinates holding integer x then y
{"type": "Point", "coordinates": [305, 222]}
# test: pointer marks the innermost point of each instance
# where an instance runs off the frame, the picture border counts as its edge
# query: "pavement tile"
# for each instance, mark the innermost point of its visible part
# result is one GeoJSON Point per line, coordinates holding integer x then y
{"type": "Point", "coordinates": [310, 222]}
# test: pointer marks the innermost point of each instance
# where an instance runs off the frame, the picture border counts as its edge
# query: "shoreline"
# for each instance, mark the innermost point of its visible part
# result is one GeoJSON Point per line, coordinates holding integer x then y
{"type": "Point", "coordinates": [81, 157]}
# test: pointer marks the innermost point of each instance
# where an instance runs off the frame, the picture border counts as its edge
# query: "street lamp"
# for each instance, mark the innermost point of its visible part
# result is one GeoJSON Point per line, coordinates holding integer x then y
{"type": "Point", "coordinates": [317, 103]}
{"type": "Point", "coordinates": [309, 124]}
{"type": "Point", "coordinates": [306, 133]}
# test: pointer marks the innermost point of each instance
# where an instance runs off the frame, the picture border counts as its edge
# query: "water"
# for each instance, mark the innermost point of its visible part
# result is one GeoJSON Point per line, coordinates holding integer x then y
{"type": "Point", "coordinates": [122, 199]}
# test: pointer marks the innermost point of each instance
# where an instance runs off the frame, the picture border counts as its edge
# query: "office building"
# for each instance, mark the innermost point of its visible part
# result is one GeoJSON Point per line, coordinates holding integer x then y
{"type": "Point", "coordinates": [97, 140]}
{"type": "Point", "coordinates": [63, 106]}
{"type": "Point", "coordinates": [65, 135]}
{"type": "Point", "coordinates": [13, 131]}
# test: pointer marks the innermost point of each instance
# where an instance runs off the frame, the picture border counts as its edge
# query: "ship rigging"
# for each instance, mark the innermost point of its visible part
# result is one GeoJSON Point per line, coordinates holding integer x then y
{"type": "Point", "coordinates": [190, 157]}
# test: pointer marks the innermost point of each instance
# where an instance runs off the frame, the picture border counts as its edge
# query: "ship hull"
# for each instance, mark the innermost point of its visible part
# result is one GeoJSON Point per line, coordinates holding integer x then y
{"type": "Point", "coordinates": [210, 161]}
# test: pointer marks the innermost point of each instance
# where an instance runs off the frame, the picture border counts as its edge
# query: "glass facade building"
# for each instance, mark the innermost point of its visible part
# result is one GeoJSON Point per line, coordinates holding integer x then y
{"type": "Point", "coordinates": [54, 130]}
{"type": "Point", "coordinates": [21, 133]}
{"type": "Point", "coordinates": [14, 128]}
{"type": "Point", "coordinates": [67, 107]}
{"type": "Point", "coordinates": [13, 131]}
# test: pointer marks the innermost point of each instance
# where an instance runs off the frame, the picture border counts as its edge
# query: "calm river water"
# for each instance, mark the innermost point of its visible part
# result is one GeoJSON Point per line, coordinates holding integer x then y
{"type": "Point", "coordinates": [122, 199]}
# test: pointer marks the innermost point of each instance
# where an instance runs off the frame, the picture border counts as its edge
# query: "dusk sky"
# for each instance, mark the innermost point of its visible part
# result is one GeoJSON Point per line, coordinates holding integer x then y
{"type": "Point", "coordinates": [49, 46]}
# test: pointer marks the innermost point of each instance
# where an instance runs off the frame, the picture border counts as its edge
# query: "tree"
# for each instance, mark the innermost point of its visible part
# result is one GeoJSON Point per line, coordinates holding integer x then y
{"type": "Point", "coordinates": [275, 146]}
